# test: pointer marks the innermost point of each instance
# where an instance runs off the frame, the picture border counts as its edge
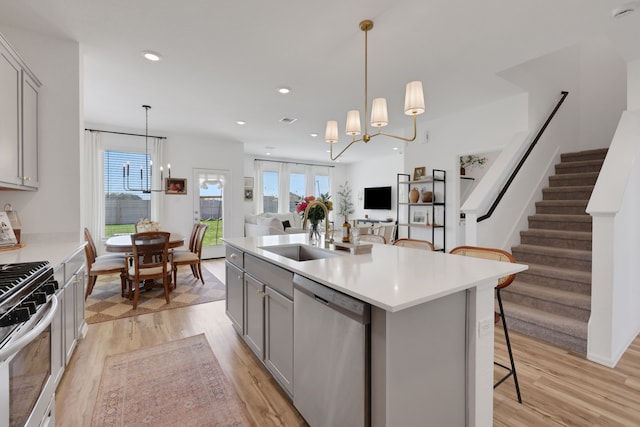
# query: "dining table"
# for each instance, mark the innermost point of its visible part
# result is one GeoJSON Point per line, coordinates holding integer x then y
{"type": "Point", "coordinates": [122, 243]}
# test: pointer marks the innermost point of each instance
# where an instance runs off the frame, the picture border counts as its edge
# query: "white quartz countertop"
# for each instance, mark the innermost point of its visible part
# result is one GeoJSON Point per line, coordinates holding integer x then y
{"type": "Point", "coordinates": [390, 277]}
{"type": "Point", "coordinates": [54, 247]}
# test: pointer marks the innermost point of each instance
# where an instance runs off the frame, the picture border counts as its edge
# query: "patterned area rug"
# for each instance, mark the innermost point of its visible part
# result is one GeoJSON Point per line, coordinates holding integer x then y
{"type": "Point", "coordinates": [179, 383]}
{"type": "Point", "coordinates": [106, 303]}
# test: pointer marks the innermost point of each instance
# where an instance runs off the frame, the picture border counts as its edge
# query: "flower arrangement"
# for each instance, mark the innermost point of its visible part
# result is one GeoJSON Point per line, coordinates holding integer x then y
{"type": "Point", "coordinates": [316, 213]}
{"type": "Point", "coordinates": [145, 224]}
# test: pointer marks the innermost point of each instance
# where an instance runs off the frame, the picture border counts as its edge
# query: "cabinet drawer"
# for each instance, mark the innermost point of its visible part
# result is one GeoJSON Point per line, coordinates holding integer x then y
{"type": "Point", "coordinates": [234, 256]}
{"type": "Point", "coordinates": [73, 264]}
{"type": "Point", "coordinates": [276, 277]}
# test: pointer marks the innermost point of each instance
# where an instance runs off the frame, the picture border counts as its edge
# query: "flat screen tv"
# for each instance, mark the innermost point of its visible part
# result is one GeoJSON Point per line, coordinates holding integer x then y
{"type": "Point", "coordinates": [377, 198]}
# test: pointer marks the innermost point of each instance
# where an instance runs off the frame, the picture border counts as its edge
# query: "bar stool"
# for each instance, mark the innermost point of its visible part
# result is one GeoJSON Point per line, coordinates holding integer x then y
{"type": "Point", "coordinates": [503, 282]}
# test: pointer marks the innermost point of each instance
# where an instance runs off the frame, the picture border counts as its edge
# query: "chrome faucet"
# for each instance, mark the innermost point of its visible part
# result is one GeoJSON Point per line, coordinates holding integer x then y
{"type": "Point", "coordinates": [326, 216]}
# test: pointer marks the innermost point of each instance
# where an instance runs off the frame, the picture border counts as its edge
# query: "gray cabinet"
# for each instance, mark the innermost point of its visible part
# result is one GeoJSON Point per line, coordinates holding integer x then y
{"type": "Point", "coordinates": [278, 336]}
{"type": "Point", "coordinates": [58, 354]}
{"type": "Point", "coordinates": [73, 302]}
{"type": "Point", "coordinates": [235, 296]}
{"type": "Point", "coordinates": [18, 121]}
{"type": "Point", "coordinates": [260, 305]}
{"type": "Point", "coordinates": [254, 315]}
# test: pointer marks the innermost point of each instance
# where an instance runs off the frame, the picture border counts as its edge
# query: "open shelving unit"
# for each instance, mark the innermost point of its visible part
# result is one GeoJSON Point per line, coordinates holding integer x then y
{"type": "Point", "coordinates": [409, 214]}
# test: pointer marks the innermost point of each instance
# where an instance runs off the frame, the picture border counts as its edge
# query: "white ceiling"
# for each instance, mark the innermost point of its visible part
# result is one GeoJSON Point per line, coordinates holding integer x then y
{"type": "Point", "coordinates": [223, 60]}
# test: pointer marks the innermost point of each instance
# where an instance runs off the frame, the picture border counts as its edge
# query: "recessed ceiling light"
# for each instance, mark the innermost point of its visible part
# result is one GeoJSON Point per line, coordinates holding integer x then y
{"type": "Point", "coordinates": [268, 154]}
{"type": "Point", "coordinates": [284, 90]}
{"type": "Point", "coordinates": [241, 122]}
{"type": "Point", "coordinates": [151, 56]}
{"type": "Point", "coordinates": [396, 148]}
{"type": "Point", "coordinates": [314, 135]}
{"type": "Point", "coordinates": [327, 151]}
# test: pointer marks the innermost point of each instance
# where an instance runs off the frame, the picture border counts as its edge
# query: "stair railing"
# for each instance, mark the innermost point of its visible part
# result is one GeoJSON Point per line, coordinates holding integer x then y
{"type": "Point", "coordinates": [525, 156]}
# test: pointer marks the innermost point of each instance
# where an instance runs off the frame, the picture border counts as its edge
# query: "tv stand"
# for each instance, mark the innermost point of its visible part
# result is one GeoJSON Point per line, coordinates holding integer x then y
{"type": "Point", "coordinates": [373, 221]}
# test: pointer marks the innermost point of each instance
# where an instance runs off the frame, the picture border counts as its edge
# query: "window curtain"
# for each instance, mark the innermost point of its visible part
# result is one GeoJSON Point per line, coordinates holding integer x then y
{"type": "Point", "coordinates": [258, 197]}
{"type": "Point", "coordinates": [283, 188]}
{"type": "Point", "coordinates": [92, 206]}
{"type": "Point", "coordinates": [156, 154]}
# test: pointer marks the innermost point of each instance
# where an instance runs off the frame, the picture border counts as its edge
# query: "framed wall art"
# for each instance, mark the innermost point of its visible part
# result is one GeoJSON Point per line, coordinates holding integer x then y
{"type": "Point", "coordinates": [175, 185]}
{"type": "Point", "coordinates": [419, 173]}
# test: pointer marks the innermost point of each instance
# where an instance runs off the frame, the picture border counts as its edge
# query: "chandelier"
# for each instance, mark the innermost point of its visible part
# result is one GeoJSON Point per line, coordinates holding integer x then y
{"type": "Point", "coordinates": [413, 105]}
{"type": "Point", "coordinates": [146, 173]}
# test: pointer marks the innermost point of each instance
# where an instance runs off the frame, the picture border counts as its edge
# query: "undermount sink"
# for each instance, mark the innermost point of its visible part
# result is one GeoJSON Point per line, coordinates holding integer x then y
{"type": "Point", "coordinates": [299, 252]}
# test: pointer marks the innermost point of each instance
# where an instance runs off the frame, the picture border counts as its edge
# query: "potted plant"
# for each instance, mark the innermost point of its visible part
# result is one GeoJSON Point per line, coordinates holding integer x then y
{"type": "Point", "coordinates": [470, 161]}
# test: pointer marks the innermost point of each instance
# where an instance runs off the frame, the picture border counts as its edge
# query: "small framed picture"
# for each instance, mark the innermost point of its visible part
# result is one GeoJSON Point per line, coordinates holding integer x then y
{"type": "Point", "coordinates": [175, 186]}
{"type": "Point", "coordinates": [248, 194]}
{"type": "Point", "coordinates": [248, 182]}
{"type": "Point", "coordinates": [419, 173]}
{"type": "Point", "coordinates": [419, 217]}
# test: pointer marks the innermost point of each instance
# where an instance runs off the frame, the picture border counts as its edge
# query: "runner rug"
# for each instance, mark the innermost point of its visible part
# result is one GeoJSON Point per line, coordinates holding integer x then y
{"type": "Point", "coordinates": [179, 383]}
{"type": "Point", "coordinates": [106, 301]}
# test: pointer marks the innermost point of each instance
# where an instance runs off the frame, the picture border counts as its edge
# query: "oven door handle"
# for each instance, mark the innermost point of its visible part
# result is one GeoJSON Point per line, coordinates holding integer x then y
{"type": "Point", "coordinates": [15, 346]}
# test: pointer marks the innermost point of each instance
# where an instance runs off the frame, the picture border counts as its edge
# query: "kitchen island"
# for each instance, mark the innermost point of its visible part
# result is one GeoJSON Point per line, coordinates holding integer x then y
{"type": "Point", "coordinates": [431, 332]}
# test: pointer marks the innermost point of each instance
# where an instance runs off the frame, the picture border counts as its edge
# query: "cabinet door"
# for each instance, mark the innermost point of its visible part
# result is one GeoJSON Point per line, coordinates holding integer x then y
{"type": "Point", "coordinates": [69, 319]}
{"type": "Point", "coordinates": [58, 355]}
{"type": "Point", "coordinates": [254, 315]}
{"type": "Point", "coordinates": [79, 302]}
{"type": "Point", "coordinates": [9, 118]}
{"type": "Point", "coordinates": [29, 132]}
{"type": "Point", "coordinates": [279, 338]}
{"type": "Point", "coordinates": [235, 296]}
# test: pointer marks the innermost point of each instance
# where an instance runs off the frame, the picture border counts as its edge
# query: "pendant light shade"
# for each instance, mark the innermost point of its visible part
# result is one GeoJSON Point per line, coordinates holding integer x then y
{"type": "Point", "coordinates": [353, 123]}
{"type": "Point", "coordinates": [379, 115]}
{"type": "Point", "coordinates": [331, 132]}
{"type": "Point", "coordinates": [414, 99]}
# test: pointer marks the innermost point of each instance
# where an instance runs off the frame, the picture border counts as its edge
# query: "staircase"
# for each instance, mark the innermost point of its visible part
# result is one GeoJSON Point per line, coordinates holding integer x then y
{"type": "Point", "coordinates": [552, 299]}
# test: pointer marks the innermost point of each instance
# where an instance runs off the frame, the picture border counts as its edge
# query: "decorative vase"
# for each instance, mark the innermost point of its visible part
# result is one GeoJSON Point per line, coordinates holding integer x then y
{"type": "Point", "coordinates": [427, 197]}
{"type": "Point", "coordinates": [414, 195]}
{"type": "Point", "coordinates": [346, 230]}
{"type": "Point", "coordinates": [314, 233]}
{"type": "Point", "coordinates": [462, 171]}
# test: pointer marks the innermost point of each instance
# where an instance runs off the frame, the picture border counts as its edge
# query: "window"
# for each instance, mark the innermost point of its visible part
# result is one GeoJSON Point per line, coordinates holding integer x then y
{"type": "Point", "coordinates": [270, 191]}
{"type": "Point", "coordinates": [123, 208]}
{"type": "Point", "coordinates": [296, 189]}
{"type": "Point", "coordinates": [320, 185]}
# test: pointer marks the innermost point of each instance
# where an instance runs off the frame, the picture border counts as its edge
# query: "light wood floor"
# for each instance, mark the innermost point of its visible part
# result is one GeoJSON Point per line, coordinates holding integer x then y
{"type": "Point", "coordinates": [558, 388]}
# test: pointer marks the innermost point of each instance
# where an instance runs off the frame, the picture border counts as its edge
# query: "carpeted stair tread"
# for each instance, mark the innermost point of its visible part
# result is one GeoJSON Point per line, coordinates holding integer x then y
{"type": "Point", "coordinates": [557, 238]}
{"type": "Point", "coordinates": [560, 222]}
{"type": "Point", "coordinates": [556, 296]}
{"type": "Point", "coordinates": [579, 166]}
{"type": "Point", "coordinates": [561, 217]}
{"type": "Point", "coordinates": [559, 257]}
{"type": "Point", "coordinates": [568, 192]}
{"type": "Point", "coordinates": [573, 179]}
{"type": "Point", "coordinates": [559, 234]}
{"type": "Point", "coordinates": [562, 207]}
{"type": "Point", "coordinates": [593, 154]}
{"type": "Point", "coordinates": [559, 272]}
{"type": "Point", "coordinates": [554, 322]}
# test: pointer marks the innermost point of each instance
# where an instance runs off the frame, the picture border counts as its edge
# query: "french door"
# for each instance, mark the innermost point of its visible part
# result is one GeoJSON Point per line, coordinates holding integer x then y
{"type": "Point", "coordinates": [209, 208]}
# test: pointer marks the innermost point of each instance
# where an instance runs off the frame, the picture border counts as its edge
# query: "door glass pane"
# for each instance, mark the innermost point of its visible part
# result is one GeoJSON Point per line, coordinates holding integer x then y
{"type": "Point", "coordinates": [211, 204]}
{"type": "Point", "coordinates": [270, 191]}
{"type": "Point", "coordinates": [124, 203]}
{"type": "Point", "coordinates": [296, 190]}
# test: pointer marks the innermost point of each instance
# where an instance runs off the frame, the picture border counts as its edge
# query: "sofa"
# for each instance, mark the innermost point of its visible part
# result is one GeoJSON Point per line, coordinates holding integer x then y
{"type": "Point", "coordinates": [267, 223]}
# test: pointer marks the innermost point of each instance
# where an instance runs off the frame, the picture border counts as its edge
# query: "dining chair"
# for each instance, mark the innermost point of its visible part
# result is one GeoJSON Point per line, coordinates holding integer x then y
{"type": "Point", "coordinates": [191, 258]}
{"type": "Point", "coordinates": [415, 243]}
{"type": "Point", "coordinates": [375, 238]}
{"type": "Point", "coordinates": [99, 267]}
{"type": "Point", "coordinates": [503, 282]}
{"type": "Point", "coordinates": [150, 261]}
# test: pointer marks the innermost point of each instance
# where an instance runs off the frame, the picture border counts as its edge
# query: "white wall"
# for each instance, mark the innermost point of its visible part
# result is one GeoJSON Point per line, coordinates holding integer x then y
{"type": "Point", "coordinates": [483, 129]}
{"type": "Point", "coordinates": [55, 207]}
{"type": "Point", "coordinates": [633, 83]}
{"type": "Point", "coordinates": [375, 172]}
{"type": "Point", "coordinates": [186, 153]}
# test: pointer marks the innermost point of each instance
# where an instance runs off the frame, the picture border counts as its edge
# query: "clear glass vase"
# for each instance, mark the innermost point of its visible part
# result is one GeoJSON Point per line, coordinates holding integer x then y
{"type": "Point", "coordinates": [314, 233]}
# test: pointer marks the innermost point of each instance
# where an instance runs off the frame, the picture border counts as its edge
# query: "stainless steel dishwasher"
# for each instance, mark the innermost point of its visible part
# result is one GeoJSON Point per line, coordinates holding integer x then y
{"type": "Point", "coordinates": [331, 356]}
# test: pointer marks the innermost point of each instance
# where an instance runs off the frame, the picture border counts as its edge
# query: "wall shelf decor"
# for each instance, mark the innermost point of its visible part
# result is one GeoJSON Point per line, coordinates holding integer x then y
{"type": "Point", "coordinates": [428, 211]}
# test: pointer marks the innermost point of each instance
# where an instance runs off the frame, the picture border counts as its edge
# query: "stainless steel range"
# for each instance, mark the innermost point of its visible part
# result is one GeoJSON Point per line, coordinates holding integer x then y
{"type": "Point", "coordinates": [28, 305]}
